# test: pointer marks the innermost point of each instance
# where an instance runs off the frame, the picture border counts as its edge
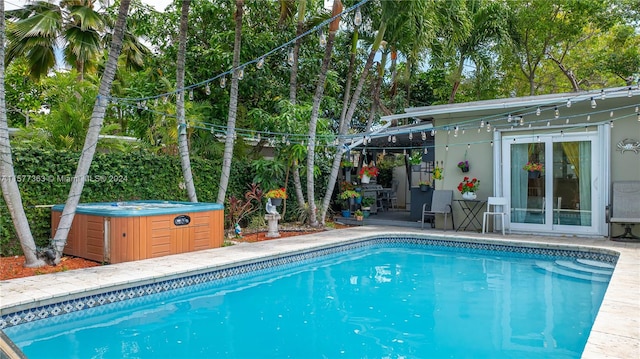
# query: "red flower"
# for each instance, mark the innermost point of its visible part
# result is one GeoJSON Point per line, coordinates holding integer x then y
{"type": "Point", "coordinates": [468, 185]}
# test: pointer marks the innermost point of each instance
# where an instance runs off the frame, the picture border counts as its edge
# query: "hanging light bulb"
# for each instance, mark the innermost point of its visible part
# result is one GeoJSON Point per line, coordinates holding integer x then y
{"type": "Point", "coordinates": [384, 151]}
{"type": "Point", "coordinates": [521, 120]}
{"type": "Point", "coordinates": [567, 121]}
{"type": "Point", "coordinates": [603, 95]}
{"type": "Point", "coordinates": [207, 89]}
{"type": "Point", "coordinates": [322, 38]}
{"type": "Point", "coordinates": [191, 95]}
{"type": "Point", "coordinates": [404, 151]}
{"type": "Point", "coordinates": [481, 123]}
{"type": "Point", "coordinates": [357, 18]}
{"type": "Point", "coordinates": [389, 138]}
{"type": "Point", "coordinates": [593, 103]}
{"type": "Point", "coordinates": [548, 123]}
{"type": "Point", "coordinates": [290, 57]}
{"type": "Point", "coordinates": [433, 132]}
{"type": "Point", "coordinates": [561, 133]}
{"type": "Point", "coordinates": [446, 148]}
{"type": "Point", "coordinates": [260, 63]}
{"type": "Point", "coordinates": [423, 135]}
{"type": "Point", "coordinates": [455, 131]}
{"type": "Point", "coordinates": [638, 116]}
{"type": "Point", "coordinates": [258, 136]}
{"type": "Point", "coordinates": [223, 82]}
{"type": "Point", "coordinates": [539, 140]}
{"type": "Point", "coordinates": [393, 139]}
{"type": "Point", "coordinates": [468, 146]}
{"type": "Point", "coordinates": [488, 127]}
{"type": "Point", "coordinates": [410, 135]}
{"type": "Point", "coordinates": [636, 109]}
{"type": "Point", "coordinates": [568, 103]}
{"type": "Point", "coordinates": [538, 111]}
{"type": "Point", "coordinates": [611, 114]}
{"type": "Point", "coordinates": [479, 129]}
{"type": "Point", "coordinates": [630, 92]}
{"type": "Point", "coordinates": [426, 150]}
{"type": "Point", "coordinates": [241, 73]}
{"type": "Point", "coordinates": [509, 118]}
{"type": "Point", "coordinates": [212, 131]}
{"type": "Point", "coordinates": [556, 112]}
{"type": "Point", "coordinates": [611, 124]}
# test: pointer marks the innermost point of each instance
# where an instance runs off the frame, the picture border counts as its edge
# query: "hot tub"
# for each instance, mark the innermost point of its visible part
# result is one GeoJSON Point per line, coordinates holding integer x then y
{"type": "Point", "coordinates": [115, 232]}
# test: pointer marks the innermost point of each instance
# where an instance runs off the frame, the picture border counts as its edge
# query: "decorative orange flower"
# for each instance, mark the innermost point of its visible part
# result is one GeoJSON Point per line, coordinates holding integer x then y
{"type": "Point", "coordinates": [277, 193]}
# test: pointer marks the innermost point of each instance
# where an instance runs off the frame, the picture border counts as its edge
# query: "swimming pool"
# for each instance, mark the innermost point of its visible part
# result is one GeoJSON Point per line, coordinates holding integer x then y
{"type": "Point", "coordinates": [451, 319]}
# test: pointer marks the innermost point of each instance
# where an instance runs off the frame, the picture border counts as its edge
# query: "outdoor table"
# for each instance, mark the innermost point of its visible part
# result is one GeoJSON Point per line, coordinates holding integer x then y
{"type": "Point", "coordinates": [470, 209]}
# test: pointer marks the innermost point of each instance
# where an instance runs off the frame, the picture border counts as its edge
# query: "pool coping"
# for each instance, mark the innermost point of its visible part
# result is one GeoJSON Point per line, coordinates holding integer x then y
{"type": "Point", "coordinates": [615, 334]}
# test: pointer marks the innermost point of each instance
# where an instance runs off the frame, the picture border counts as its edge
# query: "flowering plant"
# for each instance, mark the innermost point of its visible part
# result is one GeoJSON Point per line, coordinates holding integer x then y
{"type": "Point", "coordinates": [368, 171]}
{"type": "Point", "coordinates": [437, 173]}
{"type": "Point", "coordinates": [277, 193]}
{"type": "Point", "coordinates": [533, 166]}
{"type": "Point", "coordinates": [468, 185]}
{"type": "Point", "coordinates": [463, 164]}
{"type": "Point", "coordinates": [348, 194]}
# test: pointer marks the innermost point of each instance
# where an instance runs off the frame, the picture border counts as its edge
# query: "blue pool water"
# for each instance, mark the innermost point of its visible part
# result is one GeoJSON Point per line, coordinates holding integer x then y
{"type": "Point", "coordinates": [381, 301]}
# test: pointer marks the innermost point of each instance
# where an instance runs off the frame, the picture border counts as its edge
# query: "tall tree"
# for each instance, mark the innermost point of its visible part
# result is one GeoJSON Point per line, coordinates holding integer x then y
{"type": "Point", "coordinates": [317, 98]}
{"type": "Point", "coordinates": [8, 181]}
{"type": "Point", "coordinates": [91, 141]}
{"type": "Point", "coordinates": [233, 105]}
{"type": "Point", "coordinates": [42, 26]}
{"type": "Point", "coordinates": [183, 144]}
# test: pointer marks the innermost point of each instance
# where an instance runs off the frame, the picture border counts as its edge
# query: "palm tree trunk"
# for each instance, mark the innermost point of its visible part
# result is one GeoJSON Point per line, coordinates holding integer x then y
{"type": "Point", "coordinates": [333, 176]}
{"type": "Point", "coordinates": [457, 78]}
{"type": "Point", "coordinates": [10, 190]}
{"type": "Point", "coordinates": [233, 107]}
{"type": "Point", "coordinates": [293, 77]}
{"type": "Point", "coordinates": [313, 121]}
{"type": "Point", "coordinates": [91, 141]}
{"type": "Point", "coordinates": [183, 142]}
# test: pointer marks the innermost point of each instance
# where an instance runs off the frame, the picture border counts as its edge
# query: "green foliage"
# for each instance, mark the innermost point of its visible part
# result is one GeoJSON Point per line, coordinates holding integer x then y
{"type": "Point", "coordinates": [44, 179]}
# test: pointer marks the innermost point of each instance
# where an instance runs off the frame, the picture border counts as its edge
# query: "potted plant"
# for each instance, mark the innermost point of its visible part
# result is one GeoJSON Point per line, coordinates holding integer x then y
{"type": "Point", "coordinates": [468, 187]}
{"type": "Point", "coordinates": [359, 215]}
{"type": "Point", "coordinates": [346, 164]}
{"type": "Point", "coordinates": [366, 172]}
{"type": "Point", "coordinates": [416, 161]}
{"type": "Point", "coordinates": [424, 185]}
{"type": "Point", "coordinates": [276, 195]}
{"type": "Point", "coordinates": [534, 169]}
{"type": "Point", "coordinates": [463, 166]}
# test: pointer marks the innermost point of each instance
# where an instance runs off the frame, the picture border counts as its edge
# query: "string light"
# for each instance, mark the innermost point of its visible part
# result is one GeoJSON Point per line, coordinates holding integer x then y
{"type": "Point", "coordinates": [323, 38]}
{"type": "Point", "coordinates": [393, 139]}
{"type": "Point", "coordinates": [488, 127]}
{"type": "Point", "coordinates": [455, 131]}
{"type": "Point", "coordinates": [424, 136]}
{"type": "Point", "coordinates": [509, 118]}
{"type": "Point", "coordinates": [561, 133]}
{"type": "Point", "coordinates": [223, 82]}
{"type": "Point", "coordinates": [191, 95]}
{"type": "Point", "coordinates": [426, 150]}
{"type": "Point", "coordinates": [290, 57]}
{"type": "Point", "coordinates": [433, 132]}
{"type": "Point", "coordinates": [588, 118]}
{"type": "Point", "coordinates": [556, 112]}
{"type": "Point", "coordinates": [207, 90]}
{"type": "Point", "coordinates": [538, 111]}
{"type": "Point", "coordinates": [568, 103]}
{"type": "Point", "coordinates": [521, 120]}
{"type": "Point", "coordinates": [603, 95]}
{"type": "Point", "coordinates": [410, 135]}
{"type": "Point", "coordinates": [357, 18]}
{"type": "Point", "coordinates": [629, 92]}
{"type": "Point", "coordinates": [446, 148]}
{"type": "Point", "coordinates": [468, 146]}
{"type": "Point", "coordinates": [593, 103]}
{"type": "Point", "coordinates": [481, 123]}
{"type": "Point", "coordinates": [611, 124]}
{"type": "Point", "coordinates": [611, 114]}
{"type": "Point", "coordinates": [260, 63]}
{"type": "Point", "coordinates": [567, 121]}
{"type": "Point", "coordinates": [241, 73]}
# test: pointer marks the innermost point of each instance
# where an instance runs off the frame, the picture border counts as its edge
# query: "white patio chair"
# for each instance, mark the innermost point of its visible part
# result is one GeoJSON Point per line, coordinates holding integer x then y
{"type": "Point", "coordinates": [492, 210]}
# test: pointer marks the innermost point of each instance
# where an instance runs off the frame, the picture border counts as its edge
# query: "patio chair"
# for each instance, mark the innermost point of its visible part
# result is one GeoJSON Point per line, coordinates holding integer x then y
{"type": "Point", "coordinates": [440, 204]}
{"type": "Point", "coordinates": [624, 208]}
{"type": "Point", "coordinates": [492, 210]}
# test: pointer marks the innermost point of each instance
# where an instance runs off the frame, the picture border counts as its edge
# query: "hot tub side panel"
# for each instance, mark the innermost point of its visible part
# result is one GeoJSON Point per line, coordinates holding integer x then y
{"type": "Point", "coordinates": [86, 236]}
{"type": "Point", "coordinates": [134, 238]}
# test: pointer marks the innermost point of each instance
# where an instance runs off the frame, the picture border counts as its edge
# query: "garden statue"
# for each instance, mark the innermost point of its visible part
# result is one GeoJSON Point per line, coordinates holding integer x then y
{"type": "Point", "coordinates": [272, 218]}
{"type": "Point", "coordinates": [270, 208]}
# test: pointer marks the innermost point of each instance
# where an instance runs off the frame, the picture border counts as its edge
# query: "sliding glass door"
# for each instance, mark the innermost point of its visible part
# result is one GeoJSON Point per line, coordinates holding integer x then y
{"type": "Point", "coordinates": [549, 181]}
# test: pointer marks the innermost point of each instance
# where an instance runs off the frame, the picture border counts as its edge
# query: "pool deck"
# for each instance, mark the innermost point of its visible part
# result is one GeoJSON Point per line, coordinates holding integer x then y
{"type": "Point", "coordinates": [615, 334]}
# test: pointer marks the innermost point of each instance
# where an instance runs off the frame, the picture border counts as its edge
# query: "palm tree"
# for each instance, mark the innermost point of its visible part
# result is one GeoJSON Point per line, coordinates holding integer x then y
{"type": "Point", "coordinates": [89, 149]}
{"type": "Point", "coordinates": [10, 190]}
{"type": "Point", "coordinates": [233, 106]}
{"type": "Point", "coordinates": [183, 145]}
{"type": "Point", "coordinates": [313, 121]}
{"type": "Point", "coordinates": [40, 27]}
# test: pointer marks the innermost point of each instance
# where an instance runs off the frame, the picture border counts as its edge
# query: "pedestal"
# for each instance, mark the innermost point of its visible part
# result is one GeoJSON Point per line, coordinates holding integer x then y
{"type": "Point", "coordinates": [272, 222]}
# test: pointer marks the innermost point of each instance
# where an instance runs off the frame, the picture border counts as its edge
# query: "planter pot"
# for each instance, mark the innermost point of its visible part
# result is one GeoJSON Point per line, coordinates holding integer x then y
{"type": "Point", "coordinates": [416, 168]}
{"type": "Point", "coordinates": [366, 213]}
{"type": "Point", "coordinates": [365, 179]}
{"type": "Point", "coordinates": [424, 188]}
{"type": "Point", "coordinates": [276, 201]}
{"type": "Point", "coordinates": [534, 174]}
{"type": "Point", "coordinates": [360, 218]}
{"type": "Point", "coordinates": [346, 213]}
{"type": "Point", "coordinates": [469, 195]}
{"type": "Point", "coordinates": [465, 169]}
{"type": "Point", "coordinates": [358, 200]}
